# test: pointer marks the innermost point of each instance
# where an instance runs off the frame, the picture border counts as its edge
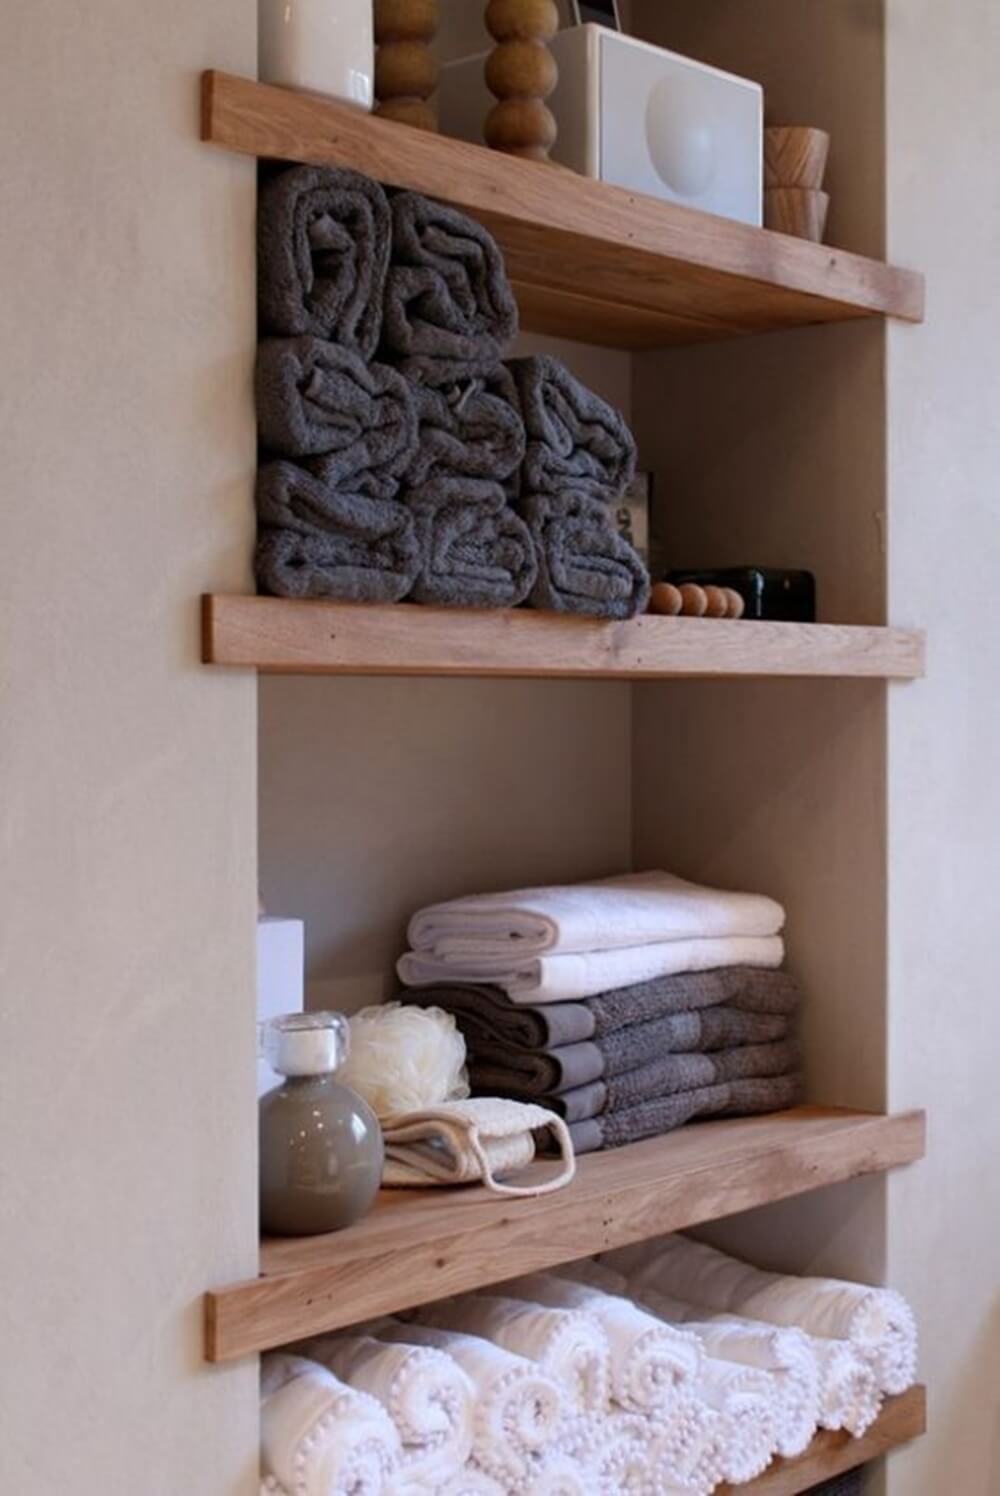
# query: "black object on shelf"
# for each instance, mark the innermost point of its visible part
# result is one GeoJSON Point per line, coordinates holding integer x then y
{"type": "Point", "coordinates": [767, 591]}
{"type": "Point", "coordinates": [851, 1484]}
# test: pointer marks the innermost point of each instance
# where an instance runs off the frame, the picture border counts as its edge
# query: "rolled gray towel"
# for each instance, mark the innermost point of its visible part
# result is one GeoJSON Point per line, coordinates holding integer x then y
{"type": "Point", "coordinates": [319, 541]}
{"type": "Point", "coordinates": [584, 565]}
{"type": "Point", "coordinates": [323, 243]}
{"type": "Point", "coordinates": [468, 430]}
{"type": "Point", "coordinates": [449, 310]}
{"type": "Point", "coordinates": [576, 440]}
{"type": "Point", "coordinates": [739, 1098]}
{"type": "Point", "coordinates": [475, 551]}
{"type": "Point", "coordinates": [318, 400]}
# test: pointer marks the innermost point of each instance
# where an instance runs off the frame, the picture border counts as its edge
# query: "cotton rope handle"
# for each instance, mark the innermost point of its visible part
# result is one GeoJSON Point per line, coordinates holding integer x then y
{"type": "Point", "coordinates": [561, 1131]}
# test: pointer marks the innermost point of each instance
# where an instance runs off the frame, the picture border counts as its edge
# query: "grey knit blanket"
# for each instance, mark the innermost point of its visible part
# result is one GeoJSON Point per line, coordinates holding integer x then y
{"type": "Point", "coordinates": [584, 565]}
{"type": "Point", "coordinates": [576, 440]}
{"type": "Point", "coordinates": [468, 430]}
{"type": "Point", "coordinates": [740, 1098]}
{"type": "Point", "coordinates": [355, 420]}
{"type": "Point", "coordinates": [474, 550]}
{"type": "Point", "coordinates": [449, 311]}
{"type": "Point", "coordinates": [323, 242]}
{"type": "Point", "coordinates": [319, 541]}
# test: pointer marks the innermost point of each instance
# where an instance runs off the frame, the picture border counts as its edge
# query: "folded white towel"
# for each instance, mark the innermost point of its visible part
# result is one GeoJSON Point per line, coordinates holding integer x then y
{"type": "Point", "coordinates": [568, 1346]}
{"type": "Point", "coordinates": [849, 1392]}
{"type": "Point", "coordinates": [651, 1363]}
{"type": "Point", "coordinates": [570, 978]}
{"type": "Point", "coordinates": [321, 1438]}
{"type": "Point", "coordinates": [426, 1394]}
{"type": "Point", "coordinates": [518, 1410]}
{"type": "Point", "coordinates": [471, 1481]}
{"type": "Point", "coordinates": [746, 1400]}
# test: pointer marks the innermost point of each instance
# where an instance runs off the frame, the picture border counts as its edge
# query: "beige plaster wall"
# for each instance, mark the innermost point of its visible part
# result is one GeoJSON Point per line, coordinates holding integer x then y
{"type": "Point", "coordinates": [127, 824]}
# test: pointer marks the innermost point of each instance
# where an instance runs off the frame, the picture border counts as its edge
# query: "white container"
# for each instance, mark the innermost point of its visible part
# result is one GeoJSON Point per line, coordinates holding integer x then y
{"type": "Point", "coordinates": [640, 117]}
{"type": "Point", "coordinates": [326, 46]}
{"type": "Point", "coordinates": [280, 979]}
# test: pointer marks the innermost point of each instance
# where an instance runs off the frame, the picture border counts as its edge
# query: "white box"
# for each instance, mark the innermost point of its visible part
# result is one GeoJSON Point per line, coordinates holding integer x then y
{"type": "Point", "coordinates": [280, 979]}
{"type": "Point", "coordinates": [640, 117]}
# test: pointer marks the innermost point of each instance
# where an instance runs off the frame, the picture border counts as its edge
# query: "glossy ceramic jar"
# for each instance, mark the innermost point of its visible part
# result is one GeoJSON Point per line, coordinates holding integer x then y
{"type": "Point", "coordinates": [326, 46]}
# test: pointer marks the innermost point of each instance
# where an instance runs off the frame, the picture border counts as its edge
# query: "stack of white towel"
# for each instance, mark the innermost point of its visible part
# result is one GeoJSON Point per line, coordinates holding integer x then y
{"type": "Point", "coordinates": [663, 1372]}
{"type": "Point", "coordinates": [564, 944]}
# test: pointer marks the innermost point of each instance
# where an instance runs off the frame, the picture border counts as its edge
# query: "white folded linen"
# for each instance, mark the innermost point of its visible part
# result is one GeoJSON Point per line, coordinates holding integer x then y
{"type": "Point", "coordinates": [321, 1438]}
{"type": "Point", "coordinates": [636, 909]}
{"type": "Point", "coordinates": [849, 1392]}
{"type": "Point", "coordinates": [746, 1400]}
{"type": "Point", "coordinates": [471, 1481]}
{"type": "Point", "coordinates": [426, 1394]}
{"type": "Point", "coordinates": [558, 1474]}
{"type": "Point", "coordinates": [651, 1363]}
{"type": "Point", "coordinates": [616, 1453]}
{"type": "Point", "coordinates": [572, 977]}
{"type": "Point", "coordinates": [518, 1411]}
{"type": "Point", "coordinates": [568, 1346]}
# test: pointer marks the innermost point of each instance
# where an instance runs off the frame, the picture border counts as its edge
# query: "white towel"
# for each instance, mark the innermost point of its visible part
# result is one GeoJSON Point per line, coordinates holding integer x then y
{"type": "Point", "coordinates": [651, 1363]}
{"type": "Point", "coordinates": [849, 1392]}
{"type": "Point", "coordinates": [616, 1453]}
{"type": "Point", "coordinates": [272, 1487]}
{"type": "Point", "coordinates": [568, 1346]}
{"type": "Point", "coordinates": [746, 1400]}
{"type": "Point", "coordinates": [637, 909]}
{"type": "Point", "coordinates": [319, 1437]}
{"type": "Point", "coordinates": [689, 1449]}
{"type": "Point", "coordinates": [426, 1394]}
{"type": "Point", "coordinates": [471, 1481]}
{"type": "Point", "coordinates": [571, 978]}
{"type": "Point", "coordinates": [518, 1410]}
{"type": "Point", "coordinates": [558, 1474]}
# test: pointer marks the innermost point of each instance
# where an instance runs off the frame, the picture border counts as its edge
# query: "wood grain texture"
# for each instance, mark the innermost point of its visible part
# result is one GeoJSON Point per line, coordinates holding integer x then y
{"type": "Point", "coordinates": [281, 637]}
{"type": "Point", "coordinates": [655, 273]}
{"type": "Point", "coordinates": [421, 1245]}
{"type": "Point", "coordinates": [903, 1419]}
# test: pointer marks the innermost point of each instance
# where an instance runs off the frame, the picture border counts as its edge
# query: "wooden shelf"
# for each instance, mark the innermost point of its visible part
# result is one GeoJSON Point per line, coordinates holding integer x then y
{"type": "Point", "coordinates": [654, 274]}
{"type": "Point", "coordinates": [903, 1419]}
{"type": "Point", "coordinates": [279, 637]}
{"type": "Point", "coordinates": [420, 1245]}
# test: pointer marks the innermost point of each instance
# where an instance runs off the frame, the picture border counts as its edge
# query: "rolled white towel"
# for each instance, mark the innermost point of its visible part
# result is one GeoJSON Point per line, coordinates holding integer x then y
{"type": "Point", "coordinates": [849, 1392]}
{"type": "Point", "coordinates": [558, 1474]}
{"type": "Point", "coordinates": [471, 1481]}
{"type": "Point", "coordinates": [321, 1438]}
{"type": "Point", "coordinates": [425, 1392]}
{"type": "Point", "coordinates": [271, 1487]}
{"type": "Point", "coordinates": [568, 1346]}
{"type": "Point", "coordinates": [746, 1400]}
{"type": "Point", "coordinates": [689, 1450]}
{"type": "Point", "coordinates": [616, 1453]}
{"type": "Point", "coordinates": [518, 1411]}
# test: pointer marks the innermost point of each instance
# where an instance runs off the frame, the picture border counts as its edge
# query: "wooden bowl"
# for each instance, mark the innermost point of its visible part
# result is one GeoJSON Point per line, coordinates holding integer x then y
{"type": "Point", "coordinates": [795, 156]}
{"type": "Point", "coordinates": [797, 211]}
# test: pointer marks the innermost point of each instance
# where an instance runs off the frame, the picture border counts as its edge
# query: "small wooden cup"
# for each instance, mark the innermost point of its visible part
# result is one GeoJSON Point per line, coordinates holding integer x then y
{"type": "Point", "coordinates": [795, 156]}
{"type": "Point", "coordinates": [797, 211]}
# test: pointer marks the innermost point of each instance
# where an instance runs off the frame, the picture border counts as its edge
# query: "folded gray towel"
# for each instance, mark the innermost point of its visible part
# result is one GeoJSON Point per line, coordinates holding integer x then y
{"type": "Point", "coordinates": [576, 440]}
{"type": "Point", "coordinates": [469, 430]}
{"type": "Point", "coordinates": [740, 1098]}
{"type": "Point", "coordinates": [851, 1484]}
{"type": "Point", "coordinates": [584, 565]}
{"type": "Point", "coordinates": [319, 541]}
{"type": "Point", "coordinates": [475, 551]}
{"type": "Point", "coordinates": [323, 242]}
{"type": "Point", "coordinates": [449, 311]}
{"type": "Point", "coordinates": [356, 420]}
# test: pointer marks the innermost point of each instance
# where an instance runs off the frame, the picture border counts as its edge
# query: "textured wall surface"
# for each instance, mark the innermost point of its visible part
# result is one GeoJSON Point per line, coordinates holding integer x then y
{"type": "Point", "coordinates": [127, 825]}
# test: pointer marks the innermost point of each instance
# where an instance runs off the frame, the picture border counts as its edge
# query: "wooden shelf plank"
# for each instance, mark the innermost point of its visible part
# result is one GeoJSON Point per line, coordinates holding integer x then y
{"type": "Point", "coordinates": [318, 638]}
{"type": "Point", "coordinates": [902, 1420]}
{"type": "Point", "coordinates": [655, 273]}
{"type": "Point", "coordinates": [420, 1245]}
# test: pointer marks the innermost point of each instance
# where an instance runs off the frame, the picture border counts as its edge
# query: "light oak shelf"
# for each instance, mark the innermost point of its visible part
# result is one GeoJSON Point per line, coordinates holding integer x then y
{"type": "Point", "coordinates": [421, 1245]}
{"type": "Point", "coordinates": [280, 637]}
{"type": "Point", "coordinates": [587, 260]}
{"type": "Point", "coordinates": [902, 1420]}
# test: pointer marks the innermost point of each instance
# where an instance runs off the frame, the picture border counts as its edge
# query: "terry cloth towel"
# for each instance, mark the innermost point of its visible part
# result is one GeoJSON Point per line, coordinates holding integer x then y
{"type": "Point", "coordinates": [584, 565]}
{"type": "Point", "coordinates": [689, 1451]}
{"type": "Point", "coordinates": [318, 400]}
{"type": "Point", "coordinates": [738, 1098]}
{"type": "Point", "coordinates": [319, 541]}
{"type": "Point", "coordinates": [745, 1398]}
{"type": "Point", "coordinates": [472, 1482]}
{"type": "Point", "coordinates": [877, 1322]}
{"type": "Point", "coordinates": [651, 1364]}
{"type": "Point", "coordinates": [569, 1347]}
{"type": "Point", "coordinates": [468, 430]}
{"type": "Point", "coordinates": [849, 1392]}
{"type": "Point", "coordinates": [323, 239]}
{"type": "Point", "coordinates": [320, 1438]}
{"type": "Point", "coordinates": [518, 1410]}
{"type": "Point", "coordinates": [449, 311]}
{"type": "Point", "coordinates": [426, 1394]}
{"type": "Point", "coordinates": [475, 552]}
{"type": "Point", "coordinates": [481, 1140]}
{"type": "Point", "coordinates": [558, 1474]}
{"type": "Point", "coordinates": [576, 440]}
{"type": "Point", "coordinates": [615, 1452]}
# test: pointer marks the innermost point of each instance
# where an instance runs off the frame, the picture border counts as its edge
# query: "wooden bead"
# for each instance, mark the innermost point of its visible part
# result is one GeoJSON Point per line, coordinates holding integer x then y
{"type": "Point", "coordinates": [521, 73]}
{"type": "Point", "coordinates": [695, 603]}
{"type": "Point", "coordinates": [795, 156]}
{"type": "Point", "coordinates": [715, 603]}
{"type": "Point", "coordinates": [521, 127]}
{"type": "Point", "coordinates": [735, 604]}
{"type": "Point", "coordinates": [406, 20]}
{"type": "Point", "coordinates": [665, 599]}
{"type": "Point", "coordinates": [797, 211]}
{"type": "Point", "coordinates": [522, 20]}
{"type": "Point", "coordinates": [406, 70]}
{"type": "Point", "coordinates": [521, 70]}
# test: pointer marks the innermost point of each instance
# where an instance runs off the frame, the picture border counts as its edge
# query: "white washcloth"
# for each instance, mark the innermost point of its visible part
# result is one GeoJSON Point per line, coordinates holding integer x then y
{"type": "Point", "coordinates": [689, 1448]}
{"type": "Point", "coordinates": [471, 1481]}
{"type": "Point", "coordinates": [426, 1394]}
{"type": "Point", "coordinates": [746, 1400]}
{"type": "Point", "coordinates": [321, 1438]}
{"type": "Point", "coordinates": [569, 1347]}
{"type": "Point", "coordinates": [571, 978]}
{"type": "Point", "coordinates": [849, 1392]}
{"type": "Point", "coordinates": [615, 1452]}
{"type": "Point", "coordinates": [651, 1363]}
{"type": "Point", "coordinates": [518, 1410]}
{"type": "Point", "coordinates": [559, 1474]}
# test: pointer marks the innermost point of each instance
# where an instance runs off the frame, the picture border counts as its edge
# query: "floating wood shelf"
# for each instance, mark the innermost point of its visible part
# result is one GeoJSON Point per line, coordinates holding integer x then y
{"type": "Point", "coordinates": [318, 638]}
{"type": "Point", "coordinates": [587, 260]}
{"type": "Point", "coordinates": [829, 1455]}
{"type": "Point", "coordinates": [421, 1245]}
